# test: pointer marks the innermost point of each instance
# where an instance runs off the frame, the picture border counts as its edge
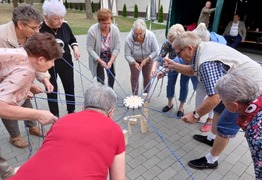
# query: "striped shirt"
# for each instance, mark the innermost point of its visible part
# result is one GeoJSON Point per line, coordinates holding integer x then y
{"type": "Point", "coordinates": [234, 29]}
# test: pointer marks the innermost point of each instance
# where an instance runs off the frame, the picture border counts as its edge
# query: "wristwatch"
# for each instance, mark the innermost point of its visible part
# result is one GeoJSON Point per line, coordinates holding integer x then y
{"type": "Point", "coordinates": [196, 115]}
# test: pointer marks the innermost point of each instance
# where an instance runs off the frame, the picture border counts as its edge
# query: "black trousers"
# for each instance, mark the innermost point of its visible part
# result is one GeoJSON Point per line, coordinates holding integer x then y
{"type": "Point", "coordinates": [101, 75]}
{"type": "Point", "coordinates": [66, 74]}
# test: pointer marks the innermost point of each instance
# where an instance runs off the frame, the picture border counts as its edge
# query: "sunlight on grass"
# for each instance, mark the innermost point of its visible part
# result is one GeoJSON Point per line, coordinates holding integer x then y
{"type": "Point", "coordinates": [77, 19]}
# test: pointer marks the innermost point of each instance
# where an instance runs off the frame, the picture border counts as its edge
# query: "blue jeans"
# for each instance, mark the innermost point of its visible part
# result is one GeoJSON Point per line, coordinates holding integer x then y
{"type": "Point", "coordinates": [219, 108]}
{"type": "Point", "coordinates": [171, 82]}
{"type": "Point", "coordinates": [233, 41]}
{"type": "Point", "coordinates": [227, 124]}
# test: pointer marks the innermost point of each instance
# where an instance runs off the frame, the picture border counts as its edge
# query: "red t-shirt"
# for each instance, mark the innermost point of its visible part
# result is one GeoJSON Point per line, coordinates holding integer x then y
{"type": "Point", "coordinates": [78, 146]}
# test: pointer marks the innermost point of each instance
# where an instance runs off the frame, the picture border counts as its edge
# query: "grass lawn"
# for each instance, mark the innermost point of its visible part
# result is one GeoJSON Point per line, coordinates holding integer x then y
{"type": "Point", "coordinates": [77, 19]}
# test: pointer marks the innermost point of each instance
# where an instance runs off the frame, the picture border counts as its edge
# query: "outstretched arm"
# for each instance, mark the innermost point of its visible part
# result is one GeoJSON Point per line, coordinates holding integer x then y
{"type": "Point", "coordinates": [181, 68]}
{"type": "Point", "coordinates": [16, 113]}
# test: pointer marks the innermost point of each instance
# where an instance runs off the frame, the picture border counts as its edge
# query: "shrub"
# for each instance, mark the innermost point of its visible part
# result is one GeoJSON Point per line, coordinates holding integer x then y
{"type": "Point", "coordinates": [93, 7]}
{"type": "Point", "coordinates": [76, 6]}
{"type": "Point", "coordinates": [160, 15]}
{"type": "Point", "coordinates": [80, 7]}
{"type": "Point", "coordinates": [66, 4]}
{"type": "Point", "coordinates": [124, 13]}
{"type": "Point", "coordinates": [136, 11]}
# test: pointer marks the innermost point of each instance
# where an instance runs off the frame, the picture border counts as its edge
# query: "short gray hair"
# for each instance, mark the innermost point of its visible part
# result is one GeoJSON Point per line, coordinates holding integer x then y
{"type": "Point", "coordinates": [186, 39]}
{"type": "Point", "coordinates": [202, 32]}
{"type": "Point", "coordinates": [54, 8]}
{"type": "Point", "coordinates": [139, 24]}
{"type": "Point", "coordinates": [174, 31]}
{"type": "Point", "coordinates": [238, 87]}
{"type": "Point", "coordinates": [100, 97]}
{"type": "Point", "coordinates": [26, 13]}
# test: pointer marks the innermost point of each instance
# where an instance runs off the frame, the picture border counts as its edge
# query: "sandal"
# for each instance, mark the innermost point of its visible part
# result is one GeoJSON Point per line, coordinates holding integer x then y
{"type": "Point", "coordinates": [205, 127]}
{"type": "Point", "coordinates": [36, 131]}
{"type": "Point", "coordinates": [19, 142]}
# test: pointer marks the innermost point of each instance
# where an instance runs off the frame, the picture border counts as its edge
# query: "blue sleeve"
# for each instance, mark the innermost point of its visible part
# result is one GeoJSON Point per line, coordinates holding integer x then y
{"type": "Point", "coordinates": [217, 38]}
{"type": "Point", "coordinates": [179, 60]}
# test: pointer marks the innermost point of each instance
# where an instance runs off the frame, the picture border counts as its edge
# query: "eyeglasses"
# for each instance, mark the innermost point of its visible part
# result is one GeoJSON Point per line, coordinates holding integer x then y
{"type": "Point", "coordinates": [33, 28]}
{"type": "Point", "coordinates": [139, 35]}
{"type": "Point", "coordinates": [178, 53]}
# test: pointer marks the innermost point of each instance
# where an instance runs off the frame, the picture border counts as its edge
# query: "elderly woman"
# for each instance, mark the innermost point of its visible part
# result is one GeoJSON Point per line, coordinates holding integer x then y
{"type": "Point", "coordinates": [103, 46]}
{"type": "Point", "coordinates": [18, 71]}
{"type": "Point", "coordinates": [54, 13]}
{"type": "Point", "coordinates": [172, 75]}
{"type": "Point", "coordinates": [141, 47]}
{"type": "Point", "coordinates": [99, 154]}
{"type": "Point", "coordinates": [25, 22]}
{"type": "Point", "coordinates": [241, 93]}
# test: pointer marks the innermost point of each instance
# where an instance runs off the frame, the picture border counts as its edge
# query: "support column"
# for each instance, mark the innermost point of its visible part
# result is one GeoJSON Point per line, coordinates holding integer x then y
{"type": "Point", "coordinates": [219, 7]}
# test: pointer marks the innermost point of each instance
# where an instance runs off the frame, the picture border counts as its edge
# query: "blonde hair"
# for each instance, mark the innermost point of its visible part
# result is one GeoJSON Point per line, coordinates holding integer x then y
{"type": "Point", "coordinates": [174, 31]}
{"type": "Point", "coordinates": [202, 32]}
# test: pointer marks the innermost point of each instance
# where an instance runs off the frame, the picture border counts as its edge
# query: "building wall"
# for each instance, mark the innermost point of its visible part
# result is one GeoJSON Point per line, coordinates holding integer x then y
{"type": "Point", "coordinates": [142, 4]}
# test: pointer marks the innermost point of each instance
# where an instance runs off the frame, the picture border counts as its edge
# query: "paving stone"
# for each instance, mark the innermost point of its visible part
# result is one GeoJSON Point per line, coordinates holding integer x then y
{"type": "Point", "coordinates": [137, 161]}
{"type": "Point", "coordinates": [153, 161]}
{"type": "Point", "coordinates": [152, 173]}
{"type": "Point", "coordinates": [150, 152]}
{"type": "Point", "coordinates": [136, 172]}
{"type": "Point", "coordinates": [238, 168]}
{"type": "Point", "coordinates": [167, 174]}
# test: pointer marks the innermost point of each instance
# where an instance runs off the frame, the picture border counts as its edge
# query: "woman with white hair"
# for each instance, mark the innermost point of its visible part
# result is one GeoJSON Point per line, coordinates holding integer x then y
{"type": "Point", "coordinates": [141, 47]}
{"type": "Point", "coordinates": [172, 75]}
{"type": "Point", "coordinates": [54, 13]}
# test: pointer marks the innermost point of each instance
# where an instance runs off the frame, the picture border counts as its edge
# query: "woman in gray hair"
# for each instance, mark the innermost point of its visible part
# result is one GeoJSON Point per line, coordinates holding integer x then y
{"type": "Point", "coordinates": [141, 48]}
{"type": "Point", "coordinates": [84, 145]}
{"type": "Point", "coordinates": [241, 94]}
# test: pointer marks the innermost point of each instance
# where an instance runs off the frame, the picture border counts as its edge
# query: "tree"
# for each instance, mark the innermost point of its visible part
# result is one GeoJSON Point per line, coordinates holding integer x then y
{"type": "Point", "coordinates": [136, 11]}
{"type": "Point", "coordinates": [66, 4]}
{"type": "Point", "coordinates": [124, 13]}
{"type": "Point", "coordinates": [89, 13]}
{"type": "Point", "coordinates": [160, 15]}
{"type": "Point", "coordinates": [15, 2]}
{"type": "Point", "coordinates": [29, 2]}
{"type": "Point", "coordinates": [93, 7]}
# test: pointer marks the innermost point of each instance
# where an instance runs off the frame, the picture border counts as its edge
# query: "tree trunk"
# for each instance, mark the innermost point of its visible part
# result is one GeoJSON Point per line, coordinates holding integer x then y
{"type": "Point", "coordinates": [29, 2]}
{"type": "Point", "coordinates": [89, 13]}
{"type": "Point", "coordinates": [15, 3]}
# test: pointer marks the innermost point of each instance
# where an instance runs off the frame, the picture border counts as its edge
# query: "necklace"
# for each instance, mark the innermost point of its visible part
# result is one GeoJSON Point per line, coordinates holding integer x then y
{"type": "Point", "coordinates": [54, 31]}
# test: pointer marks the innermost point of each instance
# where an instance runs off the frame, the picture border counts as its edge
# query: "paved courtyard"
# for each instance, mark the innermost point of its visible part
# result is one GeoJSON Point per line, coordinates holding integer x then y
{"type": "Point", "coordinates": [163, 151]}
